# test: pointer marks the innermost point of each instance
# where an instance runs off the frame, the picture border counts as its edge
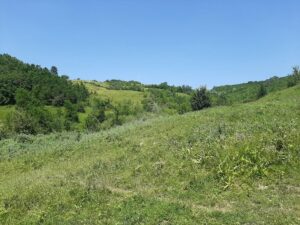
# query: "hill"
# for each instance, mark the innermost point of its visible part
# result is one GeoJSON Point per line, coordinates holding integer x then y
{"type": "Point", "coordinates": [45, 95]}
{"type": "Point", "coordinates": [225, 165]}
{"type": "Point", "coordinates": [246, 92]}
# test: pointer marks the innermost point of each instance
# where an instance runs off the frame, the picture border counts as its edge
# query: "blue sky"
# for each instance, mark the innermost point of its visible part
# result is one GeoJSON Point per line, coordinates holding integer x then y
{"type": "Point", "coordinates": [194, 42]}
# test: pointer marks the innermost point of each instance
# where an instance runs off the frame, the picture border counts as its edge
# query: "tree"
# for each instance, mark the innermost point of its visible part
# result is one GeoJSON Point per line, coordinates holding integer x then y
{"type": "Point", "coordinates": [54, 70]}
{"type": "Point", "coordinates": [262, 91]}
{"type": "Point", "coordinates": [200, 99]}
{"type": "Point", "coordinates": [42, 83]}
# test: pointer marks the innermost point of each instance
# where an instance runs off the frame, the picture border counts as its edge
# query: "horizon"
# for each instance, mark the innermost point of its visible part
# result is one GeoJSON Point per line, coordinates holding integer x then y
{"type": "Point", "coordinates": [208, 43]}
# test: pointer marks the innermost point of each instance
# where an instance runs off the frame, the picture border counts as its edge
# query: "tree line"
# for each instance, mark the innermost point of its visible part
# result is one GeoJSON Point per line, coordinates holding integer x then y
{"type": "Point", "coordinates": [44, 84]}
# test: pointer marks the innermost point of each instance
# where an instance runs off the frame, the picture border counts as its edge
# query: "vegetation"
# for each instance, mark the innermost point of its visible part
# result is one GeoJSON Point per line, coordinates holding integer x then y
{"type": "Point", "coordinates": [53, 103]}
{"type": "Point", "coordinates": [45, 85]}
{"type": "Point", "coordinates": [156, 100]}
{"type": "Point", "coordinates": [120, 152]}
{"type": "Point", "coordinates": [165, 86]}
{"type": "Point", "coordinates": [224, 165]}
{"type": "Point", "coordinates": [200, 99]}
{"type": "Point", "coordinates": [262, 91]}
{"type": "Point", "coordinates": [137, 86]}
{"type": "Point", "coordinates": [241, 93]}
{"type": "Point", "coordinates": [124, 85]}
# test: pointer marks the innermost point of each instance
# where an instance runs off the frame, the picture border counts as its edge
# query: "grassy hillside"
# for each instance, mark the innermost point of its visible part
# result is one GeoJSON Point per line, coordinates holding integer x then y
{"type": "Point", "coordinates": [114, 95]}
{"type": "Point", "coordinates": [247, 92]}
{"type": "Point", "coordinates": [225, 165]}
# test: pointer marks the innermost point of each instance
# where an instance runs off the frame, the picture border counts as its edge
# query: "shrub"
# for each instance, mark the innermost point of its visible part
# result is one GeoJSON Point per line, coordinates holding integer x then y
{"type": "Point", "coordinates": [200, 99]}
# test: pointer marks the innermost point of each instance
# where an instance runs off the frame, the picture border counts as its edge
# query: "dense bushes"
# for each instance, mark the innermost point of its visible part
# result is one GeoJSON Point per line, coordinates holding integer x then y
{"type": "Point", "coordinates": [30, 117]}
{"type": "Point", "coordinates": [137, 86]}
{"type": "Point", "coordinates": [124, 85]}
{"type": "Point", "coordinates": [165, 86]}
{"type": "Point", "coordinates": [45, 85]}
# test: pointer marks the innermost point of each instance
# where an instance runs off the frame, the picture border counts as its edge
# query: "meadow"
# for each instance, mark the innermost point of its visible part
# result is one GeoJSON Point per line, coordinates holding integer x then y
{"type": "Point", "coordinates": [223, 165]}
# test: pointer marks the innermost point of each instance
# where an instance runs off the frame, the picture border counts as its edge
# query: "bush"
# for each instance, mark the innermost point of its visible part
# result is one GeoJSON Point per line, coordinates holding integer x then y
{"type": "Point", "coordinates": [200, 99]}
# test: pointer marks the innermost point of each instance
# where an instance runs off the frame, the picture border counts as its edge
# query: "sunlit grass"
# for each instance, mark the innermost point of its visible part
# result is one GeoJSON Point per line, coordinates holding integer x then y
{"type": "Point", "coordinates": [224, 165]}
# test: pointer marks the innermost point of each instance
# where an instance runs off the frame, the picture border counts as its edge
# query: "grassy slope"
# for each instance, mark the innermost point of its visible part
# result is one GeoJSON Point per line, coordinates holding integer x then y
{"type": "Point", "coordinates": [217, 166]}
{"type": "Point", "coordinates": [115, 95]}
{"type": "Point", "coordinates": [246, 92]}
{"type": "Point", "coordinates": [4, 111]}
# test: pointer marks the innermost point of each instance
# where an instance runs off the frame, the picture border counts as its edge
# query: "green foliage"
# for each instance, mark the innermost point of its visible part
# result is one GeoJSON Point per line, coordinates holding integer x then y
{"type": "Point", "coordinates": [92, 123]}
{"type": "Point", "coordinates": [246, 92]}
{"type": "Point", "coordinates": [165, 86]}
{"type": "Point", "coordinates": [222, 99]}
{"type": "Point", "coordinates": [124, 85]}
{"type": "Point", "coordinates": [54, 70]}
{"type": "Point", "coordinates": [262, 91]}
{"type": "Point", "coordinates": [156, 100]}
{"type": "Point", "coordinates": [200, 99]}
{"type": "Point", "coordinates": [25, 99]}
{"type": "Point", "coordinates": [30, 116]}
{"type": "Point", "coordinates": [294, 78]}
{"type": "Point", "coordinates": [49, 89]}
{"type": "Point", "coordinates": [137, 86]}
{"type": "Point", "coordinates": [71, 112]}
{"type": "Point", "coordinates": [97, 116]}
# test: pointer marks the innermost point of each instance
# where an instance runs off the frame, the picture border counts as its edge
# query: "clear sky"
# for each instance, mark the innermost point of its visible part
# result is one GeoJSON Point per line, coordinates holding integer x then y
{"type": "Point", "coordinates": [194, 42]}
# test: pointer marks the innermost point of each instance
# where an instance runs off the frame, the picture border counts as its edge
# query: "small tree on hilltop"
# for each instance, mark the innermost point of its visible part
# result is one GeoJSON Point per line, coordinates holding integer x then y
{"type": "Point", "coordinates": [200, 99]}
{"type": "Point", "coordinates": [54, 70]}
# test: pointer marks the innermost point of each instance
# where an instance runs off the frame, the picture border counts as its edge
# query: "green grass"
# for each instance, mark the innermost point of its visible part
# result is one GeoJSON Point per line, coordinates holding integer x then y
{"type": "Point", "coordinates": [225, 165]}
{"type": "Point", "coordinates": [115, 95]}
{"type": "Point", "coordinates": [4, 111]}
